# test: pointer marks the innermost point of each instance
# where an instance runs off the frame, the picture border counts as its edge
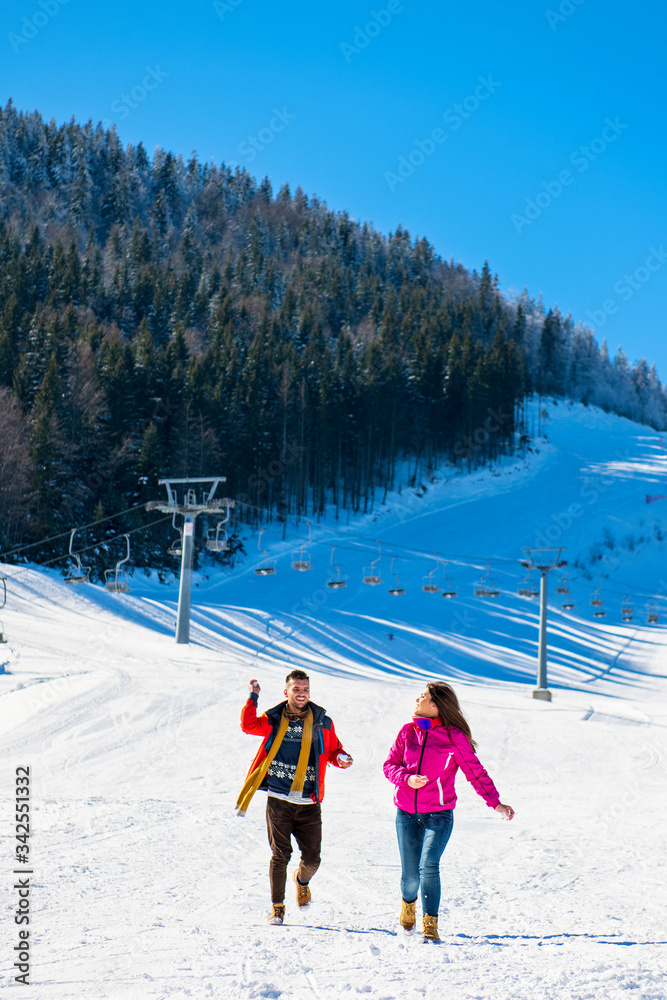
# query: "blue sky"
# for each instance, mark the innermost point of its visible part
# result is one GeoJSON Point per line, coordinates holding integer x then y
{"type": "Point", "coordinates": [531, 134]}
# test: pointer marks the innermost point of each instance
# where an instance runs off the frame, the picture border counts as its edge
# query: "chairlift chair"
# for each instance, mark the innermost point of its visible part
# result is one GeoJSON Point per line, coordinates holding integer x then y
{"type": "Point", "coordinates": [267, 568]}
{"type": "Point", "coordinates": [301, 557]}
{"type": "Point", "coordinates": [567, 604]}
{"type": "Point", "coordinates": [82, 573]}
{"type": "Point", "coordinates": [397, 590]}
{"type": "Point", "coordinates": [214, 543]}
{"type": "Point", "coordinates": [116, 580]}
{"type": "Point", "coordinates": [448, 590]}
{"type": "Point", "coordinates": [526, 590]}
{"type": "Point", "coordinates": [301, 560]}
{"type": "Point", "coordinates": [487, 591]}
{"type": "Point", "coordinates": [626, 610]}
{"type": "Point", "coordinates": [598, 604]}
{"type": "Point", "coordinates": [482, 590]}
{"type": "Point", "coordinates": [336, 582]}
{"type": "Point", "coordinates": [652, 614]}
{"type": "Point", "coordinates": [176, 547]}
{"type": "Point", "coordinates": [3, 580]}
{"type": "Point", "coordinates": [429, 586]}
{"type": "Point", "coordinates": [562, 587]}
{"type": "Point", "coordinates": [371, 577]}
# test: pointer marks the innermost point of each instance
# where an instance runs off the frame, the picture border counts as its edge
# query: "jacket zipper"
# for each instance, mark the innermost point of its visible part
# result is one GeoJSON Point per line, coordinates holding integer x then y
{"type": "Point", "coordinates": [419, 766]}
{"type": "Point", "coordinates": [317, 731]}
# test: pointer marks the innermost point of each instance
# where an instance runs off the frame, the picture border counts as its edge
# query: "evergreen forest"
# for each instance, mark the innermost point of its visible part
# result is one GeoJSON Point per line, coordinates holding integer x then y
{"type": "Point", "coordinates": [163, 317]}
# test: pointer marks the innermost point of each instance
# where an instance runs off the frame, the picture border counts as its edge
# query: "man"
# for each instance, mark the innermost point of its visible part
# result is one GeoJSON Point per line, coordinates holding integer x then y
{"type": "Point", "coordinates": [299, 742]}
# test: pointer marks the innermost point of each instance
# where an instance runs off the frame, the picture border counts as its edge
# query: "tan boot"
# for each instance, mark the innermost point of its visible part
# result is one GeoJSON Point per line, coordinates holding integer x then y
{"type": "Point", "coordinates": [407, 918]}
{"type": "Point", "coordinates": [277, 913]}
{"type": "Point", "coordinates": [302, 892]}
{"type": "Point", "coordinates": [430, 929]}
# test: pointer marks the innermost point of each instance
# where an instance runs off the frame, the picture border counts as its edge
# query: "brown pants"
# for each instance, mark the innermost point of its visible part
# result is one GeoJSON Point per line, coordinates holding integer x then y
{"type": "Point", "coordinates": [284, 820]}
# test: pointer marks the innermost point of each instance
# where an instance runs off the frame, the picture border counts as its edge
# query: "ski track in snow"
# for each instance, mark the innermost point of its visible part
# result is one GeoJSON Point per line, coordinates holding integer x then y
{"type": "Point", "coordinates": [146, 885]}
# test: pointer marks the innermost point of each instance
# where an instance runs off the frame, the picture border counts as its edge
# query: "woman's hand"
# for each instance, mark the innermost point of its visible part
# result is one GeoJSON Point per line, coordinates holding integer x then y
{"type": "Point", "coordinates": [417, 780]}
{"type": "Point", "coordinates": [507, 811]}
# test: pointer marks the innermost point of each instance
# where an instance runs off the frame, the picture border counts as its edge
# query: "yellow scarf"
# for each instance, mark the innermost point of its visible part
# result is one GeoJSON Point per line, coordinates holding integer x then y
{"type": "Point", "coordinates": [255, 778]}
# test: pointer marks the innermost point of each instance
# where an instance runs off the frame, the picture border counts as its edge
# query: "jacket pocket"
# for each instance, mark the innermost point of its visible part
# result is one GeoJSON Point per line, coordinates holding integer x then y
{"type": "Point", "coordinates": [440, 792]}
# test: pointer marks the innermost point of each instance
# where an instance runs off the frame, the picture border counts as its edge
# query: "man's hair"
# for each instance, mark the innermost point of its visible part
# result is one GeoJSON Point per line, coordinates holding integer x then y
{"type": "Point", "coordinates": [297, 675]}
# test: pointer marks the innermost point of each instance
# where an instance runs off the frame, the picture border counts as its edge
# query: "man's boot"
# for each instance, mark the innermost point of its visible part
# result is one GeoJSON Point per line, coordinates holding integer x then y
{"type": "Point", "coordinates": [407, 918]}
{"type": "Point", "coordinates": [302, 891]}
{"type": "Point", "coordinates": [430, 929]}
{"type": "Point", "coordinates": [277, 913]}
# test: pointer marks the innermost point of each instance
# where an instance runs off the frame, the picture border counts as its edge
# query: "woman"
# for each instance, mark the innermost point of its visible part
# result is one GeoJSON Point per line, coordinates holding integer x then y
{"type": "Point", "coordinates": [422, 764]}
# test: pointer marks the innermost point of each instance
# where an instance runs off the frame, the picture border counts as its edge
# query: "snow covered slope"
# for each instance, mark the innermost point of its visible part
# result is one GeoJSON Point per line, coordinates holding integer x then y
{"type": "Point", "coordinates": [146, 885]}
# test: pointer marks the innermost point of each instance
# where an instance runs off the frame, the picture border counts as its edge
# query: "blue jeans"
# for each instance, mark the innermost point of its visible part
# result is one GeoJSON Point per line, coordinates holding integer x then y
{"type": "Point", "coordinates": [422, 837]}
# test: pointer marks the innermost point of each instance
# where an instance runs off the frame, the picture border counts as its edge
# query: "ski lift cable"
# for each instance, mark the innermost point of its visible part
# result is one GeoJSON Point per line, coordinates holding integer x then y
{"type": "Point", "coordinates": [467, 561]}
{"type": "Point", "coordinates": [96, 545]}
{"type": "Point", "coordinates": [476, 562]}
{"type": "Point", "coordinates": [624, 588]}
{"type": "Point", "coordinates": [64, 534]}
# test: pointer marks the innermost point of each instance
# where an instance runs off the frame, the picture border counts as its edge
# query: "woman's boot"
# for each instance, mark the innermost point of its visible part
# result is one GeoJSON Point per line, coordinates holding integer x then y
{"type": "Point", "coordinates": [407, 919]}
{"type": "Point", "coordinates": [430, 929]}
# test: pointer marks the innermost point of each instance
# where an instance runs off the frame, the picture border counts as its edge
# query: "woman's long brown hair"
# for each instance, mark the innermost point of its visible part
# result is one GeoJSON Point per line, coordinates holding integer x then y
{"type": "Point", "coordinates": [449, 709]}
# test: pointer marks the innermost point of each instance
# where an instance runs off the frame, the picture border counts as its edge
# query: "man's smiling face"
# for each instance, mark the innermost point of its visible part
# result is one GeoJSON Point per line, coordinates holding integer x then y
{"type": "Point", "coordinates": [297, 693]}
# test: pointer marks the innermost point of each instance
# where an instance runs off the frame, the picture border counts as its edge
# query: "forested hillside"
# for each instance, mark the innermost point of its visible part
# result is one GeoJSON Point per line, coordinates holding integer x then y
{"type": "Point", "coordinates": [161, 317]}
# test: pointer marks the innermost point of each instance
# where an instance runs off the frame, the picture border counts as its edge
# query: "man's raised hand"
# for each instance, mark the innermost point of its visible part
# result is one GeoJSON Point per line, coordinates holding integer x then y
{"type": "Point", "coordinates": [253, 687]}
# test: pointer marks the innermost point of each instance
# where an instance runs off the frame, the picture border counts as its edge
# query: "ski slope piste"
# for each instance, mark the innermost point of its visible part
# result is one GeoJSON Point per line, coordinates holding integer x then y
{"type": "Point", "coordinates": [145, 885]}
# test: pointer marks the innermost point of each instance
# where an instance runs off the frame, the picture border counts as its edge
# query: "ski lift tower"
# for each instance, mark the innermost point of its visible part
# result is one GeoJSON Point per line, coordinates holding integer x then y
{"type": "Point", "coordinates": [189, 505]}
{"type": "Point", "coordinates": [543, 560]}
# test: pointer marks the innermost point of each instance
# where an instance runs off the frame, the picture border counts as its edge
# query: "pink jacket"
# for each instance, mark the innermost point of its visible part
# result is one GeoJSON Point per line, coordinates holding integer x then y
{"type": "Point", "coordinates": [437, 753]}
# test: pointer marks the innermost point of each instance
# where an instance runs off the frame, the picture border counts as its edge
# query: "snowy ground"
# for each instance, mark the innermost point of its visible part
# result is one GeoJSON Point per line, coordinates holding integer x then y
{"type": "Point", "coordinates": [146, 885]}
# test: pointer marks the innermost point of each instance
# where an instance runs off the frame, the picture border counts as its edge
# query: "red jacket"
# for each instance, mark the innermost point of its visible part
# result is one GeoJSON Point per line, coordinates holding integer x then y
{"type": "Point", "coordinates": [327, 744]}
